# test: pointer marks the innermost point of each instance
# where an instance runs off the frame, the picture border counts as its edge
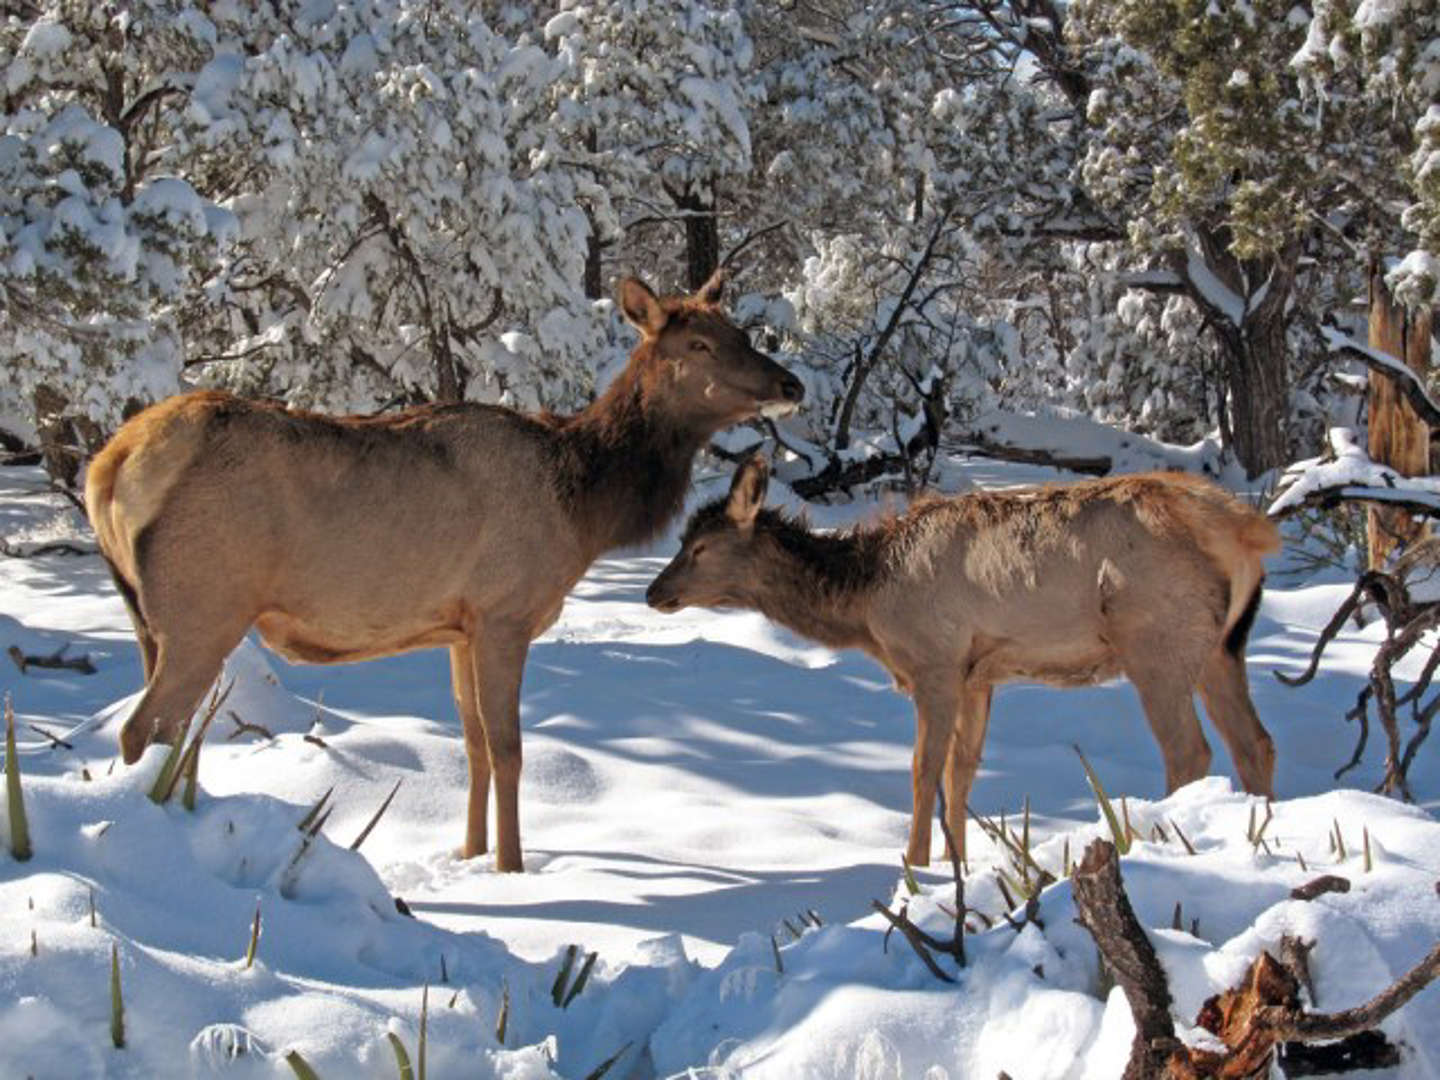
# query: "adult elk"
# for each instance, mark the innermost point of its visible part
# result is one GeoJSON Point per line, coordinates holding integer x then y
{"type": "Point", "coordinates": [1154, 576]}
{"type": "Point", "coordinates": [348, 538]}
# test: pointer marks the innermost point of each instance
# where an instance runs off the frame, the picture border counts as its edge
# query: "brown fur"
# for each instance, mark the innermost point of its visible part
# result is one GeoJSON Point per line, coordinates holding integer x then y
{"type": "Point", "coordinates": [348, 538]}
{"type": "Point", "coordinates": [1154, 577]}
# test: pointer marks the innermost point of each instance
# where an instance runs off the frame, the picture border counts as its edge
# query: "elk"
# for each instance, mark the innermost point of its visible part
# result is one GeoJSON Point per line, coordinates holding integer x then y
{"type": "Point", "coordinates": [456, 525]}
{"type": "Point", "coordinates": [1155, 576]}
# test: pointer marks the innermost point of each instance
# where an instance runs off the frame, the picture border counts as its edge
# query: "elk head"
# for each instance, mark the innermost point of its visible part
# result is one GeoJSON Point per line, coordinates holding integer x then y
{"type": "Point", "coordinates": [702, 361]}
{"type": "Point", "coordinates": [720, 557]}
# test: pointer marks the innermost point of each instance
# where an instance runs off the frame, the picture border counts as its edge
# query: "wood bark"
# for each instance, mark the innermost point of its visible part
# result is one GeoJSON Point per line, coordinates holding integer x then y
{"type": "Point", "coordinates": [1251, 341]}
{"type": "Point", "coordinates": [1398, 436]}
{"type": "Point", "coordinates": [867, 360]}
{"type": "Point", "coordinates": [702, 234]}
{"type": "Point", "coordinates": [1259, 385]}
{"type": "Point", "coordinates": [24, 661]}
{"type": "Point", "coordinates": [1090, 465]}
{"type": "Point", "coordinates": [594, 281]}
{"type": "Point", "coordinates": [1105, 911]}
{"type": "Point", "coordinates": [1325, 883]}
{"type": "Point", "coordinates": [1252, 1020]}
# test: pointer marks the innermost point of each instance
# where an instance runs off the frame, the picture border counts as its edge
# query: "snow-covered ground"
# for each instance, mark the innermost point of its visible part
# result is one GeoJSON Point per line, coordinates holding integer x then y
{"type": "Point", "coordinates": [691, 781]}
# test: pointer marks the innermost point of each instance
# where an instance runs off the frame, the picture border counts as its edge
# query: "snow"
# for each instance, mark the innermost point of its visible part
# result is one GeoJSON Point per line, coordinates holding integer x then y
{"type": "Point", "coordinates": [1336, 340]}
{"type": "Point", "coordinates": [1416, 276]}
{"type": "Point", "coordinates": [711, 99]}
{"type": "Point", "coordinates": [691, 781]}
{"type": "Point", "coordinates": [1067, 433]}
{"type": "Point", "coordinates": [562, 25]}
{"type": "Point", "coordinates": [46, 39]}
{"type": "Point", "coordinates": [1348, 472]}
{"type": "Point", "coordinates": [175, 202]}
{"type": "Point", "coordinates": [94, 143]}
{"type": "Point", "coordinates": [1215, 292]}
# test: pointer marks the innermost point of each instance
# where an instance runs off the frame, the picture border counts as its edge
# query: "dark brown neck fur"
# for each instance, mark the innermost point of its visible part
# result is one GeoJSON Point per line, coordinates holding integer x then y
{"type": "Point", "coordinates": [624, 463]}
{"type": "Point", "coordinates": [818, 585]}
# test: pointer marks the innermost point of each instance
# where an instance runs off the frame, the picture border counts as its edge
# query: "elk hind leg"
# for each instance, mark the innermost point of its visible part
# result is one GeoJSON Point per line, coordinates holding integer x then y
{"type": "Point", "coordinates": [936, 701]}
{"type": "Point", "coordinates": [143, 637]}
{"type": "Point", "coordinates": [185, 667]}
{"type": "Point", "coordinates": [1225, 692]}
{"type": "Point", "coordinates": [964, 760]}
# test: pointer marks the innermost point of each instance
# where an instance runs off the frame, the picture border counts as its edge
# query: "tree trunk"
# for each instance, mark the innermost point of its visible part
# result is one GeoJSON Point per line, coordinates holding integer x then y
{"type": "Point", "coordinates": [859, 372]}
{"type": "Point", "coordinates": [56, 432]}
{"type": "Point", "coordinates": [1253, 354]}
{"type": "Point", "coordinates": [702, 235]}
{"type": "Point", "coordinates": [594, 281]}
{"type": "Point", "coordinates": [1398, 437]}
{"type": "Point", "coordinates": [1259, 391]}
{"type": "Point", "coordinates": [448, 388]}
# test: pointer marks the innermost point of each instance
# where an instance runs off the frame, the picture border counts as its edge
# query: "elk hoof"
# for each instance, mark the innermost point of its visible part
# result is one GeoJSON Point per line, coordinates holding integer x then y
{"type": "Point", "coordinates": [133, 741]}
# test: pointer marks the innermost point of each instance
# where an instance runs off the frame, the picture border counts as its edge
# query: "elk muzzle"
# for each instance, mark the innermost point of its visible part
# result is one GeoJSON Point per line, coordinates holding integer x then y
{"type": "Point", "coordinates": [791, 394]}
{"type": "Point", "coordinates": [661, 595]}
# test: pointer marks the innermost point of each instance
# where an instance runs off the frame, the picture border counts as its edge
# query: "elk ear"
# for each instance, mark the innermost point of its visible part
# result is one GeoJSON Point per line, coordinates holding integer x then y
{"type": "Point", "coordinates": [714, 289]}
{"type": "Point", "coordinates": [641, 306]}
{"type": "Point", "coordinates": [747, 492]}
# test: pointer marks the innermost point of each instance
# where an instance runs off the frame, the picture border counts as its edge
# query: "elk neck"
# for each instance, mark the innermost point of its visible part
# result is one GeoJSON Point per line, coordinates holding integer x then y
{"type": "Point", "coordinates": [624, 463]}
{"type": "Point", "coordinates": [819, 585]}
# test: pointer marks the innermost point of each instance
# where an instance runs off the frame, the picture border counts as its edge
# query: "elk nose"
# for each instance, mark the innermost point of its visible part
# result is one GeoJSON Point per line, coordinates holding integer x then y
{"type": "Point", "coordinates": [792, 389]}
{"type": "Point", "coordinates": [658, 599]}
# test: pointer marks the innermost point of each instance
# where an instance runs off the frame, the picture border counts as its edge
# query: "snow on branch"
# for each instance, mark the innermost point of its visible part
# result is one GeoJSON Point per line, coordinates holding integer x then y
{"type": "Point", "coordinates": [1348, 474]}
{"type": "Point", "coordinates": [1152, 281]}
{"type": "Point", "coordinates": [1408, 381]}
{"type": "Point", "coordinates": [1213, 291]}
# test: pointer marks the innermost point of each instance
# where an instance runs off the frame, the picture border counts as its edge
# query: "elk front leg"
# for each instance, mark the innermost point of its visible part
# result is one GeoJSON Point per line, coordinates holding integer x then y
{"type": "Point", "coordinates": [964, 759]}
{"type": "Point", "coordinates": [1163, 659]}
{"type": "Point", "coordinates": [467, 703]}
{"type": "Point", "coordinates": [935, 707]}
{"type": "Point", "coordinates": [1226, 693]}
{"type": "Point", "coordinates": [499, 663]}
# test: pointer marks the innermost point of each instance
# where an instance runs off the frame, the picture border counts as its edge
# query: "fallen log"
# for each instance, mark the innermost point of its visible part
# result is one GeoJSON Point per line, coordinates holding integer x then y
{"type": "Point", "coordinates": [1255, 1021]}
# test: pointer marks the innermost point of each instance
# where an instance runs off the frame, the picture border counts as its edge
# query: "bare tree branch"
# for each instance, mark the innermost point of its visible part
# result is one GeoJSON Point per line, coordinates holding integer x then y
{"type": "Point", "coordinates": [1312, 1027]}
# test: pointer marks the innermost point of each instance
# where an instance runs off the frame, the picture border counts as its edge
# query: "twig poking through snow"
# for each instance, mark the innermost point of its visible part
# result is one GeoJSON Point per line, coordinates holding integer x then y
{"type": "Point", "coordinates": [355, 845]}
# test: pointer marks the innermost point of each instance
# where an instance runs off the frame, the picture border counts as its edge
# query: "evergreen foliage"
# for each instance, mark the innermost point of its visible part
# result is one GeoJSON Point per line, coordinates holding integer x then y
{"type": "Point", "coordinates": [1138, 210]}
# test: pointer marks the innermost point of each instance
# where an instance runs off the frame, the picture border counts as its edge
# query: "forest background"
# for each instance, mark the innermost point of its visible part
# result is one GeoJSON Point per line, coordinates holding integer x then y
{"type": "Point", "coordinates": [1146, 213]}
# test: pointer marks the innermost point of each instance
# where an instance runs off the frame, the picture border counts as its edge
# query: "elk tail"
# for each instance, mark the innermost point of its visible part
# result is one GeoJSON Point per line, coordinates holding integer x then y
{"type": "Point", "coordinates": [1239, 632]}
{"type": "Point", "coordinates": [1252, 537]}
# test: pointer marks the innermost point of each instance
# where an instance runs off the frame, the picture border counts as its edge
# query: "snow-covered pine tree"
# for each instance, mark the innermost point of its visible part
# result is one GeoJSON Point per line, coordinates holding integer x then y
{"type": "Point", "coordinates": [106, 246]}
{"type": "Point", "coordinates": [413, 231]}
{"type": "Point", "coordinates": [654, 99]}
{"type": "Point", "coordinates": [1200, 148]}
{"type": "Point", "coordinates": [1382, 60]}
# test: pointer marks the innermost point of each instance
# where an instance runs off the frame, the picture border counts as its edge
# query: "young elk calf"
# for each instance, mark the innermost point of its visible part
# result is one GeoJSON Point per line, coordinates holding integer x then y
{"type": "Point", "coordinates": [1156, 577]}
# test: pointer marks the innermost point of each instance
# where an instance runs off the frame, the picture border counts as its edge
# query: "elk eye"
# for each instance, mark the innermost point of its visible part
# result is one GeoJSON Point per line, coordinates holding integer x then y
{"type": "Point", "coordinates": [699, 346]}
{"type": "Point", "coordinates": [696, 551]}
